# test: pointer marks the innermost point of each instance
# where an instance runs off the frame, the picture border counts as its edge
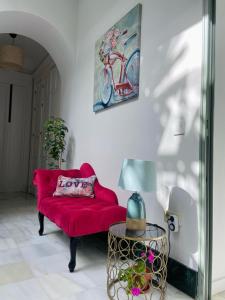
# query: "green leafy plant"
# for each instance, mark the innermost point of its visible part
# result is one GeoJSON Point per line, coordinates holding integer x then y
{"type": "Point", "coordinates": [54, 133]}
{"type": "Point", "coordinates": [137, 278]}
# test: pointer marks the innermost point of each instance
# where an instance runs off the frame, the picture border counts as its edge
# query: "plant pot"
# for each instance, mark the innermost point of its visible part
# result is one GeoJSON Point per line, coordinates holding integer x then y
{"type": "Point", "coordinates": [137, 278]}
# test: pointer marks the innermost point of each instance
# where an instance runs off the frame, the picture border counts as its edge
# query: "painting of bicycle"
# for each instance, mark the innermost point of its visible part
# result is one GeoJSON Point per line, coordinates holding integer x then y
{"type": "Point", "coordinates": [117, 62]}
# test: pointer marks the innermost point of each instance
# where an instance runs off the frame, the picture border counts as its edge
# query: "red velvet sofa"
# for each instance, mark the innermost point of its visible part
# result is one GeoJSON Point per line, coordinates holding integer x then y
{"type": "Point", "coordinates": [76, 216]}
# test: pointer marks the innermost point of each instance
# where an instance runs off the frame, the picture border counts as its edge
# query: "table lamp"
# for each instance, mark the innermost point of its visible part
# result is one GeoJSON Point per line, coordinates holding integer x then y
{"type": "Point", "coordinates": [137, 176]}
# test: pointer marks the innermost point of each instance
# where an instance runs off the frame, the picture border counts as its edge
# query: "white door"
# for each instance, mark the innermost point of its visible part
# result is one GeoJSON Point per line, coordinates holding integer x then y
{"type": "Point", "coordinates": [4, 100]}
{"type": "Point", "coordinates": [15, 118]}
{"type": "Point", "coordinates": [46, 96]}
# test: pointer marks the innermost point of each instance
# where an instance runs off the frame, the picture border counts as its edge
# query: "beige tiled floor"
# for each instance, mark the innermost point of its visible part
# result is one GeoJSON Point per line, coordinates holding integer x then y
{"type": "Point", "coordinates": [35, 268]}
{"type": "Point", "coordinates": [220, 296]}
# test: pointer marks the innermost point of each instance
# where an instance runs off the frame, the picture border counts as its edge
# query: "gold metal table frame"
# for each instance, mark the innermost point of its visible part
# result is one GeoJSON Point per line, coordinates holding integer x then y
{"type": "Point", "coordinates": [137, 265]}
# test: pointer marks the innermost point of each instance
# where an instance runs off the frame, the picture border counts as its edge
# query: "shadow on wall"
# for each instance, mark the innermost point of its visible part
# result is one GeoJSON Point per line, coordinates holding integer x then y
{"type": "Point", "coordinates": [170, 87]}
{"type": "Point", "coordinates": [176, 101]}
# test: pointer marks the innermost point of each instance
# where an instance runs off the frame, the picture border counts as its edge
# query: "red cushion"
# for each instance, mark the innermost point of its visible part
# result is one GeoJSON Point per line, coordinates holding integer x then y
{"type": "Point", "coordinates": [75, 187]}
{"type": "Point", "coordinates": [81, 216]}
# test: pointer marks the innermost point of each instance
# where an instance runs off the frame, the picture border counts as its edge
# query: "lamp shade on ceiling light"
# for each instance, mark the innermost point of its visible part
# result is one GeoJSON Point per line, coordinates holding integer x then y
{"type": "Point", "coordinates": [11, 57]}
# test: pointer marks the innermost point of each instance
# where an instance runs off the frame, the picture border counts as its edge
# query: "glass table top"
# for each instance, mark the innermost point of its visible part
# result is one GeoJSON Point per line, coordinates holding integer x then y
{"type": "Point", "coordinates": [151, 232]}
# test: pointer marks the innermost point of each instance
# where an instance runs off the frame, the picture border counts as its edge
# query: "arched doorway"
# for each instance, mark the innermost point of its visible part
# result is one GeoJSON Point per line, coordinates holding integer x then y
{"type": "Point", "coordinates": [40, 30]}
{"type": "Point", "coordinates": [48, 37]}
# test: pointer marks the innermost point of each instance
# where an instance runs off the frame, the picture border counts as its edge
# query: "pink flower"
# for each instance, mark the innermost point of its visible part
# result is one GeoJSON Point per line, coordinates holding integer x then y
{"type": "Point", "coordinates": [135, 291]}
{"type": "Point", "coordinates": [143, 254]}
{"type": "Point", "coordinates": [151, 257]}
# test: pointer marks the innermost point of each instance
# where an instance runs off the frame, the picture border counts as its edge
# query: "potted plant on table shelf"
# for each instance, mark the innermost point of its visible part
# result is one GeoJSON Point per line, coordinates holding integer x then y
{"type": "Point", "coordinates": [138, 276]}
{"type": "Point", "coordinates": [54, 133]}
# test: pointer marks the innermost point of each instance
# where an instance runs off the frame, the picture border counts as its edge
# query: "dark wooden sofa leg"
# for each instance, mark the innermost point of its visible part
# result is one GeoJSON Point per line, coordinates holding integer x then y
{"type": "Point", "coordinates": [41, 222]}
{"type": "Point", "coordinates": [73, 252]}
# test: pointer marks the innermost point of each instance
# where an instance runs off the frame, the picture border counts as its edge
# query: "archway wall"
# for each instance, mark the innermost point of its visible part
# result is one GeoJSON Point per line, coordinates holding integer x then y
{"type": "Point", "coordinates": [50, 23]}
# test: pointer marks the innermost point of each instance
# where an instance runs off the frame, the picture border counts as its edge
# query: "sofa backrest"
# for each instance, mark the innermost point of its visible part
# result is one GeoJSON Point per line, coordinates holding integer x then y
{"type": "Point", "coordinates": [46, 180]}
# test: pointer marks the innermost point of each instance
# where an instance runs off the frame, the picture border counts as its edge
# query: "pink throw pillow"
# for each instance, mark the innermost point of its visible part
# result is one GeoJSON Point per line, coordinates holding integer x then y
{"type": "Point", "coordinates": [75, 187]}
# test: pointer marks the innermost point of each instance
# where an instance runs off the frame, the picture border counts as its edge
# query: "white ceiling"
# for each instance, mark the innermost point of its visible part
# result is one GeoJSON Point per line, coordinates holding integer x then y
{"type": "Point", "coordinates": [34, 53]}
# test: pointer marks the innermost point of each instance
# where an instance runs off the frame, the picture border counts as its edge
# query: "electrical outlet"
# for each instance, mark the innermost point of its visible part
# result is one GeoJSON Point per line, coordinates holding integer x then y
{"type": "Point", "coordinates": [173, 221]}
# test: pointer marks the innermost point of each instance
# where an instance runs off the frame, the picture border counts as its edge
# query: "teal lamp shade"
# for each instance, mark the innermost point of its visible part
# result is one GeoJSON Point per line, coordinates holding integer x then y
{"type": "Point", "coordinates": [137, 176]}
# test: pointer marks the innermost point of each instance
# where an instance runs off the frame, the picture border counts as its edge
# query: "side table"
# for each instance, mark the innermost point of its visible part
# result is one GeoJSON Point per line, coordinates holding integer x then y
{"type": "Point", "coordinates": [137, 265]}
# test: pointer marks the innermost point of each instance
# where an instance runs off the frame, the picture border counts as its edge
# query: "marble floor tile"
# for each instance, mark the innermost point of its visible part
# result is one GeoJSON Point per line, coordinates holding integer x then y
{"type": "Point", "coordinates": [14, 273]}
{"type": "Point", "coordinates": [10, 256]}
{"type": "Point", "coordinates": [35, 268]}
{"type": "Point", "coordinates": [7, 243]}
{"type": "Point", "coordinates": [220, 296]}
{"type": "Point", "coordinates": [97, 274]}
{"type": "Point", "coordinates": [100, 293]}
{"type": "Point", "coordinates": [57, 286]}
{"type": "Point", "coordinates": [81, 279]}
{"type": "Point", "coordinates": [51, 264]}
{"type": "Point", "coordinates": [4, 233]}
{"type": "Point", "coordinates": [37, 251]}
{"type": "Point", "coordinates": [25, 290]}
{"type": "Point", "coordinates": [91, 294]}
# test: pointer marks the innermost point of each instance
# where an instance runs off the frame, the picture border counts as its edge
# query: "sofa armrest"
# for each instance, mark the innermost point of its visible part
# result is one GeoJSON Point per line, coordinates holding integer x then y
{"type": "Point", "coordinates": [100, 191]}
{"type": "Point", "coordinates": [105, 194]}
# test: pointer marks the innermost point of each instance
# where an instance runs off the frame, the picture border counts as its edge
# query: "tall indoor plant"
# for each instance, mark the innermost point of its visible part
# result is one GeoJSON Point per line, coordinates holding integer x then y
{"type": "Point", "coordinates": [54, 133]}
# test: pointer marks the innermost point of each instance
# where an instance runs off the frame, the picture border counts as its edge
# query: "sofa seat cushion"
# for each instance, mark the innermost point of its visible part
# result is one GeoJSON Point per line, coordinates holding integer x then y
{"type": "Point", "coordinates": [81, 216]}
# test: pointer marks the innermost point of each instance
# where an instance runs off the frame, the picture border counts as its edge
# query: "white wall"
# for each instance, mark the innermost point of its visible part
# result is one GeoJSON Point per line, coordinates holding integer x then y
{"type": "Point", "coordinates": [218, 270]}
{"type": "Point", "coordinates": [170, 80]}
{"type": "Point", "coordinates": [170, 85]}
{"type": "Point", "coordinates": [52, 23]}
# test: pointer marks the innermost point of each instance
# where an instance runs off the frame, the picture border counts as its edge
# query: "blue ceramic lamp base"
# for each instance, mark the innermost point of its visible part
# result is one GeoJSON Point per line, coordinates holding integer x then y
{"type": "Point", "coordinates": [136, 215]}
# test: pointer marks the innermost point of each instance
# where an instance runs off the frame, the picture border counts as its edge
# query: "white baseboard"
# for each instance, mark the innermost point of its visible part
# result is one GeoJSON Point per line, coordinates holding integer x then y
{"type": "Point", "coordinates": [218, 286]}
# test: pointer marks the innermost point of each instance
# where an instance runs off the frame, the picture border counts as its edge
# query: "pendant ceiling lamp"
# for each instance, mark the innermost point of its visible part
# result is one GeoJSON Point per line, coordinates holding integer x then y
{"type": "Point", "coordinates": [11, 56]}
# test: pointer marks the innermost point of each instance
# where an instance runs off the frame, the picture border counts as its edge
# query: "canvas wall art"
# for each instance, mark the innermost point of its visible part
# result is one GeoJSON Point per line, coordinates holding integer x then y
{"type": "Point", "coordinates": [117, 62]}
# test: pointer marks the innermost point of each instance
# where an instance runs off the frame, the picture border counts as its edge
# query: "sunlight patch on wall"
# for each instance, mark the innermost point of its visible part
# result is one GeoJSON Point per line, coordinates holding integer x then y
{"type": "Point", "coordinates": [188, 183]}
{"type": "Point", "coordinates": [185, 55]}
{"type": "Point", "coordinates": [180, 90]}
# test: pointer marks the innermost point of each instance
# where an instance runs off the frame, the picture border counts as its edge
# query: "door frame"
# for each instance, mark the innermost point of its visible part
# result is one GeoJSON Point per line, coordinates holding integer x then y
{"type": "Point", "coordinates": [206, 152]}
